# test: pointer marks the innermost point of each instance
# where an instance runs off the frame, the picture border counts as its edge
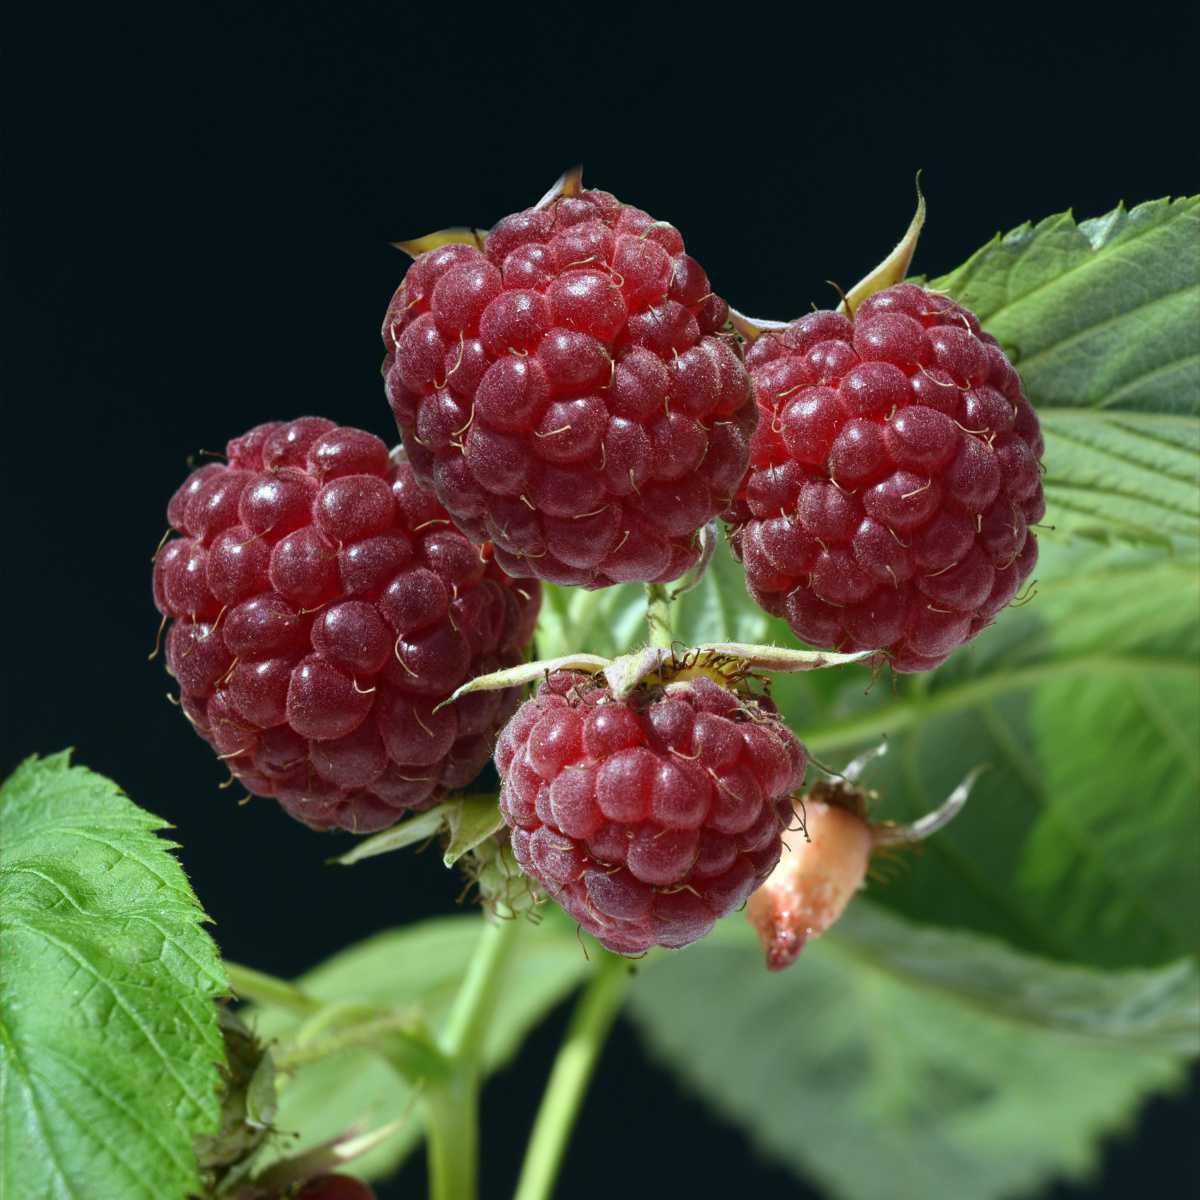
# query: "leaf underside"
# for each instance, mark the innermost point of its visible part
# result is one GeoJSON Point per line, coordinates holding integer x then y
{"type": "Point", "coordinates": [894, 1060]}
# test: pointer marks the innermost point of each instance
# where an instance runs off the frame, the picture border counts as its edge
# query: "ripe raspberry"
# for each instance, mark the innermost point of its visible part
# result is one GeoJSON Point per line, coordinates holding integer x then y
{"type": "Point", "coordinates": [893, 478]}
{"type": "Point", "coordinates": [568, 394]}
{"type": "Point", "coordinates": [323, 606]}
{"type": "Point", "coordinates": [650, 817]}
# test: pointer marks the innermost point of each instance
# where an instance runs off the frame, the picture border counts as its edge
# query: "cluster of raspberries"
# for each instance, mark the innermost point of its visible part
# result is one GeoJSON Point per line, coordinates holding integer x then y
{"type": "Point", "coordinates": [569, 393]}
{"type": "Point", "coordinates": [575, 408]}
{"type": "Point", "coordinates": [322, 606]}
{"type": "Point", "coordinates": [647, 818]}
{"type": "Point", "coordinates": [894, 477]}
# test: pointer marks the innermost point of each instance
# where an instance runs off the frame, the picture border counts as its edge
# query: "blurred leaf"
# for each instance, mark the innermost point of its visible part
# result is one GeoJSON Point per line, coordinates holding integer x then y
{"type": "Point", "coordinates": [418, 966]}
{"type": "Point", "coordinates": [1102, 319]}
{"type": "Point", "coordinates": [109, 1044]}
{"type": "Point", "coordinates": [608, 621]}
{"type": "Point", "coordinates": [611, 621]}
{"type": "Point", "coordinates": [910, 1063]}
{"type": "Point", "coordinates": [719, 610]}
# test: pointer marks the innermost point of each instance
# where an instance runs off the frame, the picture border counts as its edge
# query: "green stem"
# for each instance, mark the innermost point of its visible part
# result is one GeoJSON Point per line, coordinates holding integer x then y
{"type": "Point", "coordinates": [592, 1019]}
{"type": "Point", "coordinates": [338, 1012]}
{"type": "Point", "coordinates": [452, 1136]}
{"type": "Point", "coordinates": [249, 984]}
{"type": "Point", "coordinates": [452, 1103]}
{"type": "Point", "coordinates": [658, 615]}
{"type": "Point", "coordinates": [467, 1023]}
{"type": "Point", "coordinates": [396, 1037]}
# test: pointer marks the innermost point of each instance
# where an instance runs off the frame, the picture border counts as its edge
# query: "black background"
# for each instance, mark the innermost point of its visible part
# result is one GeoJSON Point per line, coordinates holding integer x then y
{"type": "Point", "coordinates": [199, 201]}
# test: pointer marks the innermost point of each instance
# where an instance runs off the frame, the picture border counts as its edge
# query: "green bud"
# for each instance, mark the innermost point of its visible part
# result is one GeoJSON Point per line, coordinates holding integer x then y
{"type": "Point", "coordinates": [504, 889]}
{"type": "Point", "coordinates": [248, 1100]}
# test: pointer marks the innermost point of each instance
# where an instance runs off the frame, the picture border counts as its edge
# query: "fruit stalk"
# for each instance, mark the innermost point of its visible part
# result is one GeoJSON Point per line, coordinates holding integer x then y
{"type": "Point", "coordinates": [658, 615]}
{"type": "Point", "coordinates": [392, 1035]}
{"type": "Point", "coordinates": [452, 1103]}
{"type": "Point", "coordinates": [572, 1071]}
{"type": "Point", "coordinates": [261, 988]}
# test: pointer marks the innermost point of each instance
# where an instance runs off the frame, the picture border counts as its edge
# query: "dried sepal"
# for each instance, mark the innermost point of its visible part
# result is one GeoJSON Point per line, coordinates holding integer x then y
{"type": "Point", "coordinates": [415, 247]}
{"type": "Point", "coordinates": [569, 183]}
{"type": "Point", "coordinates": [416, 829]}
{"type": "Point", "coordinates": [752, 328]}
{"type": "Point", "coordinates": [783, 659]}
{"type": "Point", "coordinates": [248, 1101]}
{"type": "Point", "coordinates": [888, 834]}
{"type": "Point", "coordinates": [894, 268]}
{"type": "Point", "coordinates": [528, 672]}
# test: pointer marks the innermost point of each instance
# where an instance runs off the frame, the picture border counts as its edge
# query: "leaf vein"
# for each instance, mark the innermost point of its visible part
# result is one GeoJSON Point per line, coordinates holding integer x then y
{"type": "Point", "coordinates": [1141, 464]}
{"type": "Point", "coordinates": [1115, 319]}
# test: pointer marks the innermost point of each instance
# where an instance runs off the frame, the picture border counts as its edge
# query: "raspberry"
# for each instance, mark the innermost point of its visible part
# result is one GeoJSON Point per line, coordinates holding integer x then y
{"type": "Point", "coordinates": [893, 478]}
{"type": "Point", "coordinates": [567, 391]}
{"type": "Point", "coordinates": [335, 1187]}
{"type": "Point", "coordinates": [650, 817]}
{"type": "Point", "coordinates": [322, 607]}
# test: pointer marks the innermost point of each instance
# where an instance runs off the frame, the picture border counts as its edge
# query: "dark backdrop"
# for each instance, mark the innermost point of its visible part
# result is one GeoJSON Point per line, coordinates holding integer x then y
{"type": "Point", "coordinates": [200, 199]}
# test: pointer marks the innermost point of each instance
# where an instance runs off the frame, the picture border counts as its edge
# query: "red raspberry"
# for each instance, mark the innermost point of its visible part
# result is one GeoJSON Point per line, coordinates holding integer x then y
{"type": "Point", "coordinates": [893, 478]}
{"type": "Point", "coordinates": [650, 817]}
{"type": "Point", "coordinates": [568, 394]}
{"type": "Point", "coordinates": [323, 607]}
{"type": "Point", "coordinates": [335, 1187]}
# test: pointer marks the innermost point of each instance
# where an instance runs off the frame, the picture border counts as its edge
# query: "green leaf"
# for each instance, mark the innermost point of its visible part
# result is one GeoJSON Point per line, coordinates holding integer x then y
{"type": "Point", "coordinates": [409, 832]}
{"type": "Point", "coordinates": [1102, 319]}
{"type": "Point", "coordinates": [109, 1044]}
{"type": "Point", "coordinates": [1134, 476]}
{"type": "Point", "coordinates": [1080, 842]}
{"type": "Point", "coordinates": [607, 622]}
{"type": "Point", "coordinates": [898, 1061]}
{"type": "Point", "coordinates": [473, 819]}
{"type": "Point", "coordinates": [719, 610]}
{"type": "Point", "coordinates": [419, 966]}
{"type": "Point", "coordinates": [611, 621]}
